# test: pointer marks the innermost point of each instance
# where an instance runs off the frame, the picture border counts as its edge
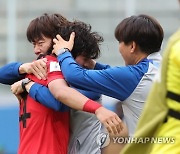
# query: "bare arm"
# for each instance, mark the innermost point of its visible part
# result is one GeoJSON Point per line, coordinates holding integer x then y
{"type": "Point", "coordinates": [76, 100]}
{"type": "Point", "coordinates": [64, 93]}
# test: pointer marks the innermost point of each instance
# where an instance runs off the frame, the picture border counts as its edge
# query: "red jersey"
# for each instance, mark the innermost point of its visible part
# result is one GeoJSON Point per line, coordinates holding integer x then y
{"type": "Point", "coordinates": [43, 130]}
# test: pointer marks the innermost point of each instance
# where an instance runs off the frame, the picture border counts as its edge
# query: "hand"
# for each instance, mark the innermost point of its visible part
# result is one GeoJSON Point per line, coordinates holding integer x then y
{"type": "Point", "coordinates": [16, 88]}
{"type": "Point", "coordinates": [38, 68]}
{"type": "Point", "coordinates": [19, 97]}
{"type": "Point", "coordinates": [60, 43]}
{"type": "Point", "coordinates": [112, 122]}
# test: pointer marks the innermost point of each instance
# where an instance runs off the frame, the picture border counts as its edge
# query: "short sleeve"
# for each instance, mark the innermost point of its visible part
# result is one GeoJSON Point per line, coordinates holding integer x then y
{"type": "Point", "coordinates": [54, 71]}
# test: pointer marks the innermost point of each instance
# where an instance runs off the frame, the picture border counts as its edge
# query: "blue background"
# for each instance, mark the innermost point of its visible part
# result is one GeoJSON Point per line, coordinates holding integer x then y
{"type": "Point", "coordinates": [9, 130]}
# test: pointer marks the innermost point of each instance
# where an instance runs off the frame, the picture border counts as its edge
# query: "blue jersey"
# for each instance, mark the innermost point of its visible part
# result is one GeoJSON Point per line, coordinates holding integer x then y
{"type": "Point", "coordinates": [117, 82]}
{"type": "Point", "coordinates": [129, 84]}
{"type": "Point", "coordinates": [10, 73]}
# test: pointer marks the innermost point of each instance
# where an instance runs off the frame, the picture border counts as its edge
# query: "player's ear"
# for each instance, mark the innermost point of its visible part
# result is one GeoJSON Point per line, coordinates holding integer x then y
{"type": "Point", "coordinates": [133, 46]}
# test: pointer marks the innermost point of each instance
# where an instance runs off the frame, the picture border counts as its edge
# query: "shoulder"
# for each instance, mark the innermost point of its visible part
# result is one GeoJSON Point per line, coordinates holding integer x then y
{"type": "Point", "coordinates": [51, 58]}
{"type": "Point", "coordinates": [141, 68]}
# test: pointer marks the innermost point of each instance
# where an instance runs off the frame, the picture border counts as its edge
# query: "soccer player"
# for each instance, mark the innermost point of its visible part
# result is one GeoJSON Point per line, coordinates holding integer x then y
{"type": "Point", "coordinates": [138, 37]}
{"type": "Point", "coordinates": [160, 120]}
{"type": "Point", "coordinates": [82, 51]}
{"type": "Point", "coordinates": [131, 83]}
{"type": "Point", "coordinates": [46, 42]}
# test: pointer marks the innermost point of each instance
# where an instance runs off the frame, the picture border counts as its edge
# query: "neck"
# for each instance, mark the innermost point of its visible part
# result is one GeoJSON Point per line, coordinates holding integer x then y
{"type": "Point", "coordinates": [140, 57]}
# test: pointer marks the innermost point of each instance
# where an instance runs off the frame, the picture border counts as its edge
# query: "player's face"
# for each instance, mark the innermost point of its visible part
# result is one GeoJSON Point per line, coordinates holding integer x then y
{"type": "Point", "coordinates": [125, 52]}
{"type": "Point", "coordinates": [41, 46]}
{"type": "Point", "coordinates": [83, 61]}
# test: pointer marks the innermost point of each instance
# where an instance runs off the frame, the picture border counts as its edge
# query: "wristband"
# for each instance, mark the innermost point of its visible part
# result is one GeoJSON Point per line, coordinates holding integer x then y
{"type": "Point", "coordinates": [91, 106]}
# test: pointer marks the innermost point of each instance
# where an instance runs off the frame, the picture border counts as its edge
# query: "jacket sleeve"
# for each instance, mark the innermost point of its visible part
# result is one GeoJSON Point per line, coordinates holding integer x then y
{"type": "Point", "coordinates": [99, 66]}
{"type": "Point", "coordinates": [42, 94]}
{"type": "Point", "coordinates": [111, 81]}
{"type": "Point", "coordinates": [10, 73]}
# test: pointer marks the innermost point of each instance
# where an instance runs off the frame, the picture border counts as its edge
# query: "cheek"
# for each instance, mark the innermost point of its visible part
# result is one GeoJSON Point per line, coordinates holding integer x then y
{"type": "Point", "coordinates": [121, 51]}
{"type": "Point", "coordinates": [79, 61]}
{"type": "Point", "coordinates": [45, 48]}
{"type": "Point", "coordinates": [120, 48]}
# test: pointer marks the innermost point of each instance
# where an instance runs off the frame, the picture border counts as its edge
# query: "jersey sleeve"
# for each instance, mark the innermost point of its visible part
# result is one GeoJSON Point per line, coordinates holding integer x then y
{"type": "Point", "coordinates": [99, 66]}
{"type": "Point", "coordinates": [42, 94]}
{"type": "Point", "coordinates": [117, 82]}
{"type": "Point", "coordinates": [10, 73]}
{"type": "Point", "coordinates": [54, 71]}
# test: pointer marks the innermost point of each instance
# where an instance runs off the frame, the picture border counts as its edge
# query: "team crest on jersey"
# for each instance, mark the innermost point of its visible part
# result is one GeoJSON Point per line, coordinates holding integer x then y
{"type": "Point", "coordinates": [54, 67]}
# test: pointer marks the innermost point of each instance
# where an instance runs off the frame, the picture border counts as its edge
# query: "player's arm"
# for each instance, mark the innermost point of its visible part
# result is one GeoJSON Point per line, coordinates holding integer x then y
{"type": "Point", "coordinates": [10, 73]}
{"type": "Point", "coordinates": [42, 94]}
{"type": "Point", "coordinates": [39, 93]}
{"type": "Point", "coordinates": [15, 71]}
{"type": "Point", "coordinates": [99, 66]}
{"type": "Point", "coordinates": [76, 100]}
{"type": "Point", "coordinates": [34, 68]}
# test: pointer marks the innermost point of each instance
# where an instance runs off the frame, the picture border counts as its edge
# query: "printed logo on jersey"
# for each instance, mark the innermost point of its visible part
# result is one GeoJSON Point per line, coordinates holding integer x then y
{"type": "Point", "coordinates": [54, 66]}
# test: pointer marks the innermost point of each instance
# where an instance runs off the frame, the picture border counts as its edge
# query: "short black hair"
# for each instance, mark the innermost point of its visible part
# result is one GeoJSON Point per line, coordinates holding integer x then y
{"type": "Point", "coordinates": [49, 25]}
{"type": "Point", "coordinates": [86, 42]}
{"type": "Point", "coordinates": [45, 25]}
{"type": "Point", "coordinates": [144, 30]}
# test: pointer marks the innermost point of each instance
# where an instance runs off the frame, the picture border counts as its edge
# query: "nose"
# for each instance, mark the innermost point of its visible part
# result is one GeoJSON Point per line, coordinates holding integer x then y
{"type": "Point", "coordinates": [36, 49]}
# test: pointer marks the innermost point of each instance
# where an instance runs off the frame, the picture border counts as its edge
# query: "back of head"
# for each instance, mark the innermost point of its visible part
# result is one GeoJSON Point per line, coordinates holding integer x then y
{"type": "Point", "coordinates": [45, 25]}
{"type": "Point", "coordinates": [144, 30]}
{"type": "Point", "coordinates": [86, 42]}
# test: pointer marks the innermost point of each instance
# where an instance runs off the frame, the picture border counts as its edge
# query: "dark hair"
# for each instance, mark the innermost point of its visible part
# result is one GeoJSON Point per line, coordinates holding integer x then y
{"type": "Point", "coordinates": [86, 42]}
{"type": "Point", "coordinates": [45, 25]}
{"type": "Point", "coordinates": [144, 30]}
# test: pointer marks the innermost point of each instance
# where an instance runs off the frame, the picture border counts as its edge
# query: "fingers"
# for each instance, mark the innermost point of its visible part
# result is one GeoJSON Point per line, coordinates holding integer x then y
{"type": "Point", "coordinates": [59, 38]}
{"type": "Point", "coordinates": [72, 36]}
{"type": "Point", "coordinates": [60, 43]}
{"type": "Point", "coordinates": [16, 88]}
{"type": "Point", "coordinates": [110, 119]}
{"type": "Point", "coordinates": [39, 68]}
{"type": "Point", "coordinates": [55, 41]}
{"type": "Point", "coordinates": [18, 97]}
{"type": "Point", "coordinates": [119, 124]}
{"type": "Point", "coordinates": [36, 72]}
{"type": "Point", "coordinates": [114, 125]}
{"type": "Point", "coordinates": [108, 127]}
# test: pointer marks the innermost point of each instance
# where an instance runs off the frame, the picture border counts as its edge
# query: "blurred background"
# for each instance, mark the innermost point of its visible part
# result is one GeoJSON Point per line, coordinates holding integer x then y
{"type": "Point", "coordinates": [102, 15]}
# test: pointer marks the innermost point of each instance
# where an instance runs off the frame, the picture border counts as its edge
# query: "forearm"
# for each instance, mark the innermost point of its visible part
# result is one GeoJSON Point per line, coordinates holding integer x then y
{"type": "Point", "coordinates": [42, 94]}
{"type": "Point", "coordinates": [70, 96]}
{"type": "Point", "coordinates": [106, 81]}
{"type": "Point", "coordinates": [10, 73]}
{"type": "Point", "coordinates": [67, 95]}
